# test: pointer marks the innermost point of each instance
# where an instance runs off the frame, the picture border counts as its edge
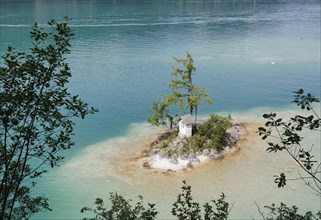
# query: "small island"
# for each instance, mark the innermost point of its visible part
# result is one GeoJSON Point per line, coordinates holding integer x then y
{"type": "Point", "coordinates": [193, 143]}
{"type": "Point", "coordinates": [188, 141]}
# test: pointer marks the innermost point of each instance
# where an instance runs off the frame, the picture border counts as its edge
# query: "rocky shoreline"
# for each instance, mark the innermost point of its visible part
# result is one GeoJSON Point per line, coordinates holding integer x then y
{"type": "Point", "coordinates": [157, 158]}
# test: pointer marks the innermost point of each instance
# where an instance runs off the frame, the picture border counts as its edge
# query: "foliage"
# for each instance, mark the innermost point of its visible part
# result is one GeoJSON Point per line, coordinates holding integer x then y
{"type": "Point", "coordinates": [209, 135]}
{"type": "Point", "coordinates": [185, 95]}
{"type": "Point", "coordinates": [222, 209]}
{"type": "Point", "coordinates": [213, 131]}
{"type": "Point", "coordinates": [121, 209]}
{"type": "Point", "coordinates": [36, 112]}
{"type": "Point", "coordinates": [290, 137]}
{"type": "Point", "coordinates": [186, 209]}
{"type": "Point", "coordinates": [161, 115]}
{"type": "Point", "coordinates": [184, 92]}
{"type": "Point", "coordinates": [283, 212]}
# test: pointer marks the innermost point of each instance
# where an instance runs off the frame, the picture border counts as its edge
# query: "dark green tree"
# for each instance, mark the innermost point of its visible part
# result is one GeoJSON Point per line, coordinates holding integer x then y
{"type": "Point", "coordinates": [289, 136]}
{"type": "Point", "coordinates": [283, 212]}
{"type": "Point", "coordinates": [221, 211]}
{"type": "Point", "coordinates": [186, 209]}
{"type": "Point", "coordinates": [121, 209]}
{"type": "Point", "coordinates": [36, 112]}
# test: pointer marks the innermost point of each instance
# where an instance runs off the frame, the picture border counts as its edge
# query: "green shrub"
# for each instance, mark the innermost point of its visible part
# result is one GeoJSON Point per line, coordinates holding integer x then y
{"type": "Point", "coordinates": [211, 134]}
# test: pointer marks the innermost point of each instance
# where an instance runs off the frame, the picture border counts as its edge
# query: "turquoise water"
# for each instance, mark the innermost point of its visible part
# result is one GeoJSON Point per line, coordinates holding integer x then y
{"type": "Point", "coordinates": [122, 56]}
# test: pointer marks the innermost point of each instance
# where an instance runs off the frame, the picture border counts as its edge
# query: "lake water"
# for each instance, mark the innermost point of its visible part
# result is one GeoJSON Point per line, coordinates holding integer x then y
{"type": "Point", "coordinates": [121, 61]}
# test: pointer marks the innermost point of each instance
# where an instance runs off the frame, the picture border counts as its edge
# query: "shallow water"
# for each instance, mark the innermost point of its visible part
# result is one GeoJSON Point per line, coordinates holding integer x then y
{"type": "Point", "coordinates": [121, 60]}
{"type": "Point", "coordinates": [245, 176]}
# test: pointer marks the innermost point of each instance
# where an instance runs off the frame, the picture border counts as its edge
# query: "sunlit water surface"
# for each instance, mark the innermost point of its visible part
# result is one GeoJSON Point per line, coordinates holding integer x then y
{"type": "Point", "coordinates": [121, 61]}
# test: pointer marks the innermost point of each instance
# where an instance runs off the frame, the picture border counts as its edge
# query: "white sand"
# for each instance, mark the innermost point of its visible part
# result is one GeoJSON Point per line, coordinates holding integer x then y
{"type": "Point", "coordinates": [156, 162]}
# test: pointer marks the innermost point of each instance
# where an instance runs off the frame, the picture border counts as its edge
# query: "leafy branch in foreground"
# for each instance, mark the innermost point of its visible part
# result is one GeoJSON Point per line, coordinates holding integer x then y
{"type": "Point", "coordinates": [121, 209]}
{"type": "Point", "coordinates": [36, 112]}
{"type": "Point", "coordinates": [186, 209]}
{"type": "Point", "coordinates": [289, 138]}
{"type": "Point", "coordinates": [283, 212]}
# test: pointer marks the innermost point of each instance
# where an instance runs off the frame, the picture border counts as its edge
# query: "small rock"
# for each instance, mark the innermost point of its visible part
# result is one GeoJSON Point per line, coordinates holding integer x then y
{"type": "Point", "coordinates": [180, 146]}
{"type": "Point", "coordinates": [205, 152]}
{"type": "Point", "coordinates": [182, 157]}
{"type": "Point", "coordinates": [190, 164]}
{"type": "Point", "coordinates": [162, 154]}
{"type": "Point", "coordinates": [213, 154]}
{"type": "Point", "coordinates": [193, 162]}
{"type": "Point", "coordinates": [146, 165]}
{"type": "Point", "coordinates": [191, 156]}
{"type": "Point", "coordinates": [144, 153]}
{"type": "Point", "coordinates": [213, 151]}
{"type": "Point", "coordinates": [174, 160]}
{"type": "Point", "coordinates": [216, 156]}
{"type": "Point", "coordinates": [154, 151]}
{"type": "Point", "coordinates": [196, 160]}
{"type": "Point", "coordinates": [171, 145]}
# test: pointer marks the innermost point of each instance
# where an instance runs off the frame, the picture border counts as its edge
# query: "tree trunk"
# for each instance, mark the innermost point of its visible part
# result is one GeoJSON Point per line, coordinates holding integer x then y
{"type": "Point", "coordinates": [195, 114]}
